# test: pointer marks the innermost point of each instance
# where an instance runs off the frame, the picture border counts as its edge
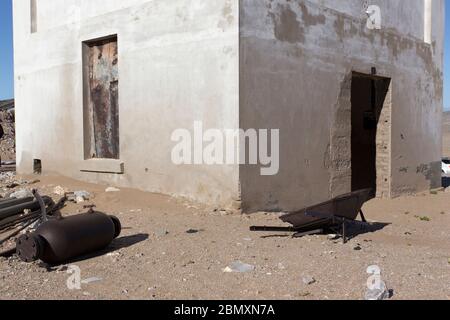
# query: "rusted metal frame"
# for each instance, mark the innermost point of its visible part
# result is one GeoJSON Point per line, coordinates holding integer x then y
{"type": "Point", "coordinates": [18, 231]}
{"type": "Point", "coordinates": [41, 204]}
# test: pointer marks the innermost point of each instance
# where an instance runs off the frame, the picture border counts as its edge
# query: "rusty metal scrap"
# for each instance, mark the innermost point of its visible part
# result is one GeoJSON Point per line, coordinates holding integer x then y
{"type": "Point", "coordinates": [325, 216]}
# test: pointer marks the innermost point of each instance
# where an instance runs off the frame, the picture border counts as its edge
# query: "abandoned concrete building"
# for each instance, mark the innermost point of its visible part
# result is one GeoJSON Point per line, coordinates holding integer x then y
{"type": "Point", "coordinates": [101, 86]}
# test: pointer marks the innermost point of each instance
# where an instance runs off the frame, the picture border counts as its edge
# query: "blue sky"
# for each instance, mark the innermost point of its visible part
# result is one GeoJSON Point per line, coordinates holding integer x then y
{"type": "Point", "coordinates": [6, 54]}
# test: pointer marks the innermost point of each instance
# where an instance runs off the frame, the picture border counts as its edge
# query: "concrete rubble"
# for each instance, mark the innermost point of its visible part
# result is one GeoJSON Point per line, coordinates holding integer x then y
{"type": "Point", "coordinates": [7, 131]}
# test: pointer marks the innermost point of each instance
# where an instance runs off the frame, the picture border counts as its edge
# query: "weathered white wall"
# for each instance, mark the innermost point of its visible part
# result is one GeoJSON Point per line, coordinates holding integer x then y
{"type": "Point", "coordinates": [281, 64]}
{"type": "Point", "coordinates": [178, 62]}
{"type": "Point", "coordinates": [296, 63]}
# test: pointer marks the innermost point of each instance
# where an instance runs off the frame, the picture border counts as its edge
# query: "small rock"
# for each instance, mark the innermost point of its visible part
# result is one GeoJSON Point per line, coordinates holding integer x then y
{"type": "Point", "coordinates": [308, 280]}
{"type": "Point", "coordinates": [81, 196]}
{"type": "Point", "coordinates": [192, 231]}
{"type": "Point", "coordinates": [239, 267]}
{"type": "Point", "coordinates": [357, 248]}
{"type": "Point", "coordinates": [21, 194]}
{"type": "Point", "coordinates": [304, 294]}
{"type": "Point", "coordinates": [113, 254]}
{"type": "Point", "coordinates": [13, 185]}
{"type": "Point", "coordinates": [60, 191]}
{"type": "Point", "coordinates": [62, 269]}
{"type": "Point", "coordinates": [333, 237]}
{"type": "Point", "coordinates": [112, 189]}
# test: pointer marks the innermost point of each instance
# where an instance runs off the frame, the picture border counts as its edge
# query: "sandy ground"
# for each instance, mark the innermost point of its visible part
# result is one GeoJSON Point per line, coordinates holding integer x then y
{"type": "Point", "coordinates": [155, 257]}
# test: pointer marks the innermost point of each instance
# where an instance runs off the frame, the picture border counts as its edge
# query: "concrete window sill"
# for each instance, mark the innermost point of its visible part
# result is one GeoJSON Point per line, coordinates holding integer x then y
{"type": "Point", "coordinates": [103, 166]}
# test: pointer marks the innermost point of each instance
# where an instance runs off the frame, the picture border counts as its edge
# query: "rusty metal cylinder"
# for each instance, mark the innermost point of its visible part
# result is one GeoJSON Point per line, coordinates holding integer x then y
{"type": "Point", "coordinates": [61, 240]}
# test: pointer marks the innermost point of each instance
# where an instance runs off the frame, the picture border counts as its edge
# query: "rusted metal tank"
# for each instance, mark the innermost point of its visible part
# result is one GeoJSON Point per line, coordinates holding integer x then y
{"type": "Point", "coordinates": [61, 240]}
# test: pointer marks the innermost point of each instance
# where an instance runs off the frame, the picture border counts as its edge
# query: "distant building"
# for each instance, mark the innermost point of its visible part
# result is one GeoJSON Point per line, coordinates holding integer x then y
{"type": "Point", "coordinates": [356, 92]}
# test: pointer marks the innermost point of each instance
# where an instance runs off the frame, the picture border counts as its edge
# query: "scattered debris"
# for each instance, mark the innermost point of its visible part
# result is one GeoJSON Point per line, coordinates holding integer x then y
{"type": "Point", "coordinates": [308, 280]}
{"type": "Point", "coordinates": [21, 194]}
{"type": "Point", "coordinates": [79, 196]}
{"type": "Point", "coordinates": [62, 269]}
{"type": "Point", "coordinates": [423, 218]}
{"type": "Point", "coordinates": [60, 191]}
{"type": "Point", "coordinates": [112, 189]}
{"type": "Point", "coordinates": [304, 294]}
{"type": "Point", "coordinates": [13, 185]}
{"type": "Point", "coordinates": [239, 267]}
{"type": "Point", "coordinates": [333, 237]}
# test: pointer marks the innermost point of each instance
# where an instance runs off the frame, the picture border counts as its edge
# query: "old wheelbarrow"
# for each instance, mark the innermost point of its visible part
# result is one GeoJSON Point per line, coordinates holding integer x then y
{"type": "Point", "coordinates": [328, 216]}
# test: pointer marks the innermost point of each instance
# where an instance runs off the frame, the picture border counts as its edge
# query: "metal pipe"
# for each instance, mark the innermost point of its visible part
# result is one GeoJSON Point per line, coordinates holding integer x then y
{"type": "Point", "coordinates": [14, 220]}
{"type": "Point", "coordinates": [272, 229]}
{"type": "Point", "coordinates": [13, 201]}
{"type": "Point", "coordinates": [20, 208]}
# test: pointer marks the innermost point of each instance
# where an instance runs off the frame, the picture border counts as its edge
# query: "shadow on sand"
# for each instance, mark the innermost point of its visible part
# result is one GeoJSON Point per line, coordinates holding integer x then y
{"type": "Point", "coordinates": [354, 229]}
{"type": "Point", "coordinates": [117, 244]}
{"type": "Point", "coordinates": [445, 182]}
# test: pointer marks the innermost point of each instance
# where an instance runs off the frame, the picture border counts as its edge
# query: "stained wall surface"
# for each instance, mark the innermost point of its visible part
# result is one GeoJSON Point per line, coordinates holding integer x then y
{"type": "Point", "coordinates": [177, 63]}
{"type": "Point", "coordinates": [297, 58]}
{"type": "Point", "coordinates": [262, 64]}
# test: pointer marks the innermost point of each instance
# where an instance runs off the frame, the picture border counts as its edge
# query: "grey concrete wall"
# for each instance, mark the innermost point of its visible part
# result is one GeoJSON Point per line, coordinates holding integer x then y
{"type": "Point", "coordinates": [178, 62]}
{"type": "Point", "coordinates": [296, 63]}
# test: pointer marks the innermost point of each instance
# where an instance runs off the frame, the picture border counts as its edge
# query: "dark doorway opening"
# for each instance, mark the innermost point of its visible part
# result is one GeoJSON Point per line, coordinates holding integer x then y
{"type": "Point", "coordinates": [37, 166]}
{"type": "Point", "coordinates": [371, 127]}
